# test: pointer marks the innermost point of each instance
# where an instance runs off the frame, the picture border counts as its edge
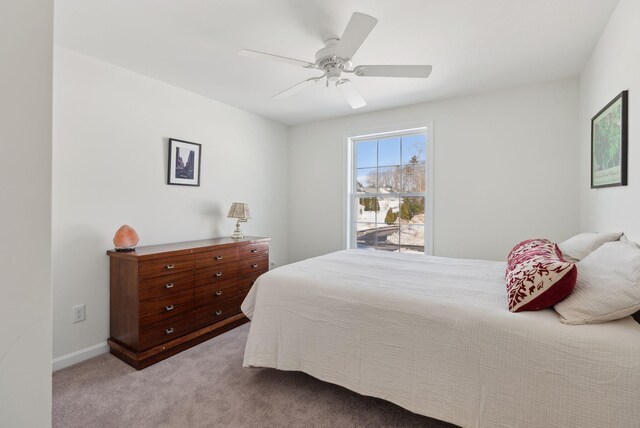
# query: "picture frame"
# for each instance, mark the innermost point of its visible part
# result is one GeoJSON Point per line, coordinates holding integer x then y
{"type": "Point", "coordinates": [609, 144]}
{"type": "Point", "coordinates": [184, 163]}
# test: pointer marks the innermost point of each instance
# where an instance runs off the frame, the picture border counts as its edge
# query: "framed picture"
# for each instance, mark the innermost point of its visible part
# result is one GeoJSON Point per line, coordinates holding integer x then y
{"type": "Point", "coordinates": [184, 163]}
{"type": "Point", "coordinates": [609, 144]}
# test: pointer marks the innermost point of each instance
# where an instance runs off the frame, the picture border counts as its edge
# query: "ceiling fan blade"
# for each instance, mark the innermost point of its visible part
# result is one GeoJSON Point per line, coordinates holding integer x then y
{"type": "Point", "coordinates": [358, 28]}
{"type": "Point", "coordinates": [278, 58]}
{"type": "Point", "coordinates": [393, 71]}
{"type": "Point", "coordinates": [295, 88]}
{"type": "Point", "coordinates": [351, 94]}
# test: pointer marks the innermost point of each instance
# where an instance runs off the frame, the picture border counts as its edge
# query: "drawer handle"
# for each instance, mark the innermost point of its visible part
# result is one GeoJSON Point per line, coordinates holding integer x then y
{"type": "Point", "coordinates": [219, 312]}
{"type": "Point", "coordinates": [171, 266]}
{"type": "Point", "coordinates": [219, 293]}
{"type": "Point", "coordinates": [254, 250]}
{"type": "Point", "coordinates": [169, 285]}
{"type": "Point", "coordinates": [254, 266]}
{"type": "Point", "coordinates": [218, 257]}
{"type": "Point", "coordinates": [218, 273]}
{"type": "Point", "coordinates": [169, 308]}
{"type": "Point", "coordinates": [169, 330]}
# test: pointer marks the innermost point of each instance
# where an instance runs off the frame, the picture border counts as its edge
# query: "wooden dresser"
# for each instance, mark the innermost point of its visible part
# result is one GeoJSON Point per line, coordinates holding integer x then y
{"type": "Point", "coordinates": [167, 298]}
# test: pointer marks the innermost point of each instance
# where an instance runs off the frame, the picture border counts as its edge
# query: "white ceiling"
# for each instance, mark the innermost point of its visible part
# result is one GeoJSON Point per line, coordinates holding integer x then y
{"type": "Point", "coordinates": [473, 45]}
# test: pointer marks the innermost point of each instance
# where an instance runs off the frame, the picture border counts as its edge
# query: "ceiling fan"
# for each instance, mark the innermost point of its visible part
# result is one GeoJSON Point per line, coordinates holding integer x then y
{"type": "Point", "coordinates": [334, 59]}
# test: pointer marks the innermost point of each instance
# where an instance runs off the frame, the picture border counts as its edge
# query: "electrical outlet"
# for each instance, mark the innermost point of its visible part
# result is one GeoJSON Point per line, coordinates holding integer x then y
{"type": "Point", "coordinates": [79, 313]}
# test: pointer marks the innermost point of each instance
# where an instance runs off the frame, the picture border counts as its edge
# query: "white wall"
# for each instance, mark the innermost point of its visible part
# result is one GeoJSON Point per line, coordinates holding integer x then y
{"type": "Point", "coordinates": [505, 170]}
{"type": "Point", "coordinates": [110, 165]}
{"type": "Point", "coordinates": [26, 44]}
{"type": "Point", "coordinates": [613, 67]}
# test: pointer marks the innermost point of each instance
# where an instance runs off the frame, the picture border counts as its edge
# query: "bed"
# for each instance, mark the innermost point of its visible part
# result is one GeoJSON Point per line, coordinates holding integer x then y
{"type": "Point", "coordinates": [434, 336]}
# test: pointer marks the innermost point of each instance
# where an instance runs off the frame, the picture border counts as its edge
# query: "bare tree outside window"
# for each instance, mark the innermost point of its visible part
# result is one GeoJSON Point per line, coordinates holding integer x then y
{"type": "Point", "coordinates": [392, 172]}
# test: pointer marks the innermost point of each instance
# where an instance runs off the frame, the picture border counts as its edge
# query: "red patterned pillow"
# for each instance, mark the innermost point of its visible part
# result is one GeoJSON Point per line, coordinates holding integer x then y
{"type": "Point", "coordinates": [537, 276]}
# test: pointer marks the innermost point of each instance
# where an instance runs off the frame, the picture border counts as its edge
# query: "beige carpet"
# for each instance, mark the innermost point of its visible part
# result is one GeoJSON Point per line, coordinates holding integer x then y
{"type": "Point", "coordinates": [206, 386]}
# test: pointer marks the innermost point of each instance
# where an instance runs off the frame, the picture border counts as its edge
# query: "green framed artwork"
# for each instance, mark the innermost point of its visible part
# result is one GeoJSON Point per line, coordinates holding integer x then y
{"type": "Point", "coordinates": [609, 144]}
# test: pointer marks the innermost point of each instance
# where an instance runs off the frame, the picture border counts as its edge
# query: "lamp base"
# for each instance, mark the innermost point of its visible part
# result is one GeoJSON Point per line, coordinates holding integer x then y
{"type": "Point", "coordinates": [237, 234]}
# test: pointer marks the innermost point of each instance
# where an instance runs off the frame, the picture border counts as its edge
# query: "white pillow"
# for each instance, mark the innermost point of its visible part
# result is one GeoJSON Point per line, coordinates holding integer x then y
{"type": "Point", "coordinates": [608, 286]}
{"type": "Point", "coordinates": [578, 247]}
{"type": "Point", "coordinates": [624, 239]}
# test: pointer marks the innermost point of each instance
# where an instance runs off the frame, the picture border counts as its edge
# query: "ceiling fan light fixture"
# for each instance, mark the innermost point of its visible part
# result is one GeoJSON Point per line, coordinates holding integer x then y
{"type": "Point", "coordinates": [333, 74]}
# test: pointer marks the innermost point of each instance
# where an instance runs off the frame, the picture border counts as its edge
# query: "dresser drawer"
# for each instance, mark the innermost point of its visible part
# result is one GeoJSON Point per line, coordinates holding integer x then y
{"type": "Point", "coordinates": [216, 312]}
{"type": "Point", "coordinates": [152, 288]}
{"type": "Point", "coordinates": [217, 292]}
{"type": "Point", "coordinates": [250, 266]}
{"type": "Point", "coordinates": [166, 330]}
{"type": "Point", "coordinates": [166, 266]}
{"type": "Point", "coordinates": [253, 250]}
{"type": "Point", "coordinates": [246, 282]}
{"type": "Point", "coordinates": [216, 257]}
{"type": "Point", "coordinates": [153, 311]}
{"type": "Point", "coordinates": [216, 274]}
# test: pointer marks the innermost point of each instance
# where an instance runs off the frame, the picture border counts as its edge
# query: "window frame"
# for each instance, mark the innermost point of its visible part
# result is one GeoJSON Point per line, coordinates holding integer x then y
{"type": "Point", "coordinates": [350, 187]}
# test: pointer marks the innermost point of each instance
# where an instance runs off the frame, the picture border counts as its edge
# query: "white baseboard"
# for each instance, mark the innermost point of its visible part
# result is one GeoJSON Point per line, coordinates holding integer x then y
{"type": "Point", "coordinates": [81, 355]}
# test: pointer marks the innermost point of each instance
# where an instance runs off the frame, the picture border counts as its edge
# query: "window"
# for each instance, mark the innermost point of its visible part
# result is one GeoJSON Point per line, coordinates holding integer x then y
{"type": "Point", "coordinates": [388, 192]}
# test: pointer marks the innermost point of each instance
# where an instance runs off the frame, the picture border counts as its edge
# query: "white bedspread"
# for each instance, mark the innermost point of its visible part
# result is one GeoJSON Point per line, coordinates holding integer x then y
{"type": "Point", "coordinates": [434, 336]}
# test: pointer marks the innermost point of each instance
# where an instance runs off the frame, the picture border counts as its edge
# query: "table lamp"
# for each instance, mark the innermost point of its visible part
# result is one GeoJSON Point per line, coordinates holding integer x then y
{"type": "Point", "coordinates": [239, 211]}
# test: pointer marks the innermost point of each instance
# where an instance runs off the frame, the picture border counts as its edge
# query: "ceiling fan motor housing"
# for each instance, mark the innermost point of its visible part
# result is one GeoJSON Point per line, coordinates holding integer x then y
{"type": "Point", "coordinates": [327, 60]}
{"type": "Point", "coordinates": [329, 50]}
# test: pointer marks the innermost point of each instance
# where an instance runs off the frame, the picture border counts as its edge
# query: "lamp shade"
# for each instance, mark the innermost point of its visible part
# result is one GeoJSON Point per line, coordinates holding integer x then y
{"type": "Point", "coordinates": [239, 210]}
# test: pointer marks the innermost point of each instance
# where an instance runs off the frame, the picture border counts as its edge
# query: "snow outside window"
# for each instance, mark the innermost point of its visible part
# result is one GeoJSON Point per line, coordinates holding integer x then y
{"type": "Point", "coordinates": [388, 192]}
